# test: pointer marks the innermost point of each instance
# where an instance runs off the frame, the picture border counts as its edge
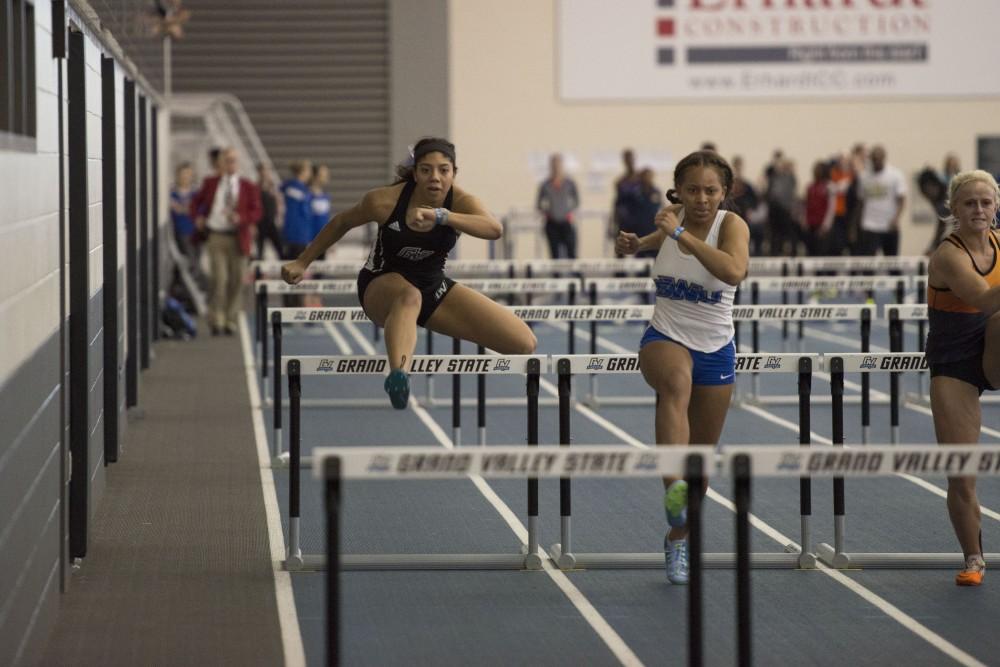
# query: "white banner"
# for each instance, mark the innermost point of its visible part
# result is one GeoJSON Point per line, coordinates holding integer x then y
{"type": "Point", "coordinates": [511, 462]}
{"type": "Point", "coordinates": [885, 362]}
{"type": "Point", "coordinates": [454, 364]}
{"type": "Point", "coordinates": [676, 49]}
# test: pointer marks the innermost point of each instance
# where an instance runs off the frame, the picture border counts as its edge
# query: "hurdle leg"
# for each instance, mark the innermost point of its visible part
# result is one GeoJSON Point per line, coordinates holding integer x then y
{"type": "Point", "coordinates": [481, 401]}
{"type": "Point", "coordinates": [562, 553]}
{"type": "Point", "coordinates": [430, 378]}
{"type": "Point", "coordinates": [456, 398]}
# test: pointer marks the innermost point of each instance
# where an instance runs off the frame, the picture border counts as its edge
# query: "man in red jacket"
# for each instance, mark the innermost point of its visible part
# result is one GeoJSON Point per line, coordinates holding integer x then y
{"type": "Point", "coordinates": [225, 210]}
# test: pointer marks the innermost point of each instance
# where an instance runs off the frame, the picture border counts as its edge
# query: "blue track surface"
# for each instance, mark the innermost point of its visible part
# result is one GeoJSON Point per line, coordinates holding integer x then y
{"type": "Point", "coordinates": [799, 617]}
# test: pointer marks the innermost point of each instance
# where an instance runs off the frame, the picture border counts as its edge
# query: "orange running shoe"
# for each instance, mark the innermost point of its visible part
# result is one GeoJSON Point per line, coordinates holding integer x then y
{"type": "Point", "coordinates": [972, 575]}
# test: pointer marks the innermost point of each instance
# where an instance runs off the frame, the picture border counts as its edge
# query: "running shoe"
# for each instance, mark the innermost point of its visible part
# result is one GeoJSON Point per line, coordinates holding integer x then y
{"type": "Point", "coordinates": [675, 554]}
{"type": "Point", "coordinates": [397, 385]}
{"type": "Point", "coordinates": [675, 502]}
{"type": "Point", "coordinates": [975, 570]}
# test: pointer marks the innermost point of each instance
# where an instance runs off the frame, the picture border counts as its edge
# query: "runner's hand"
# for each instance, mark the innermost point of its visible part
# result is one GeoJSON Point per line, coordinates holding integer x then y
{"type": "Point", "coordinates": [293, 272]}
{"type": "Point", "coordinates": [626, 243]}
{"type": "Point", "coordinates": [421, 219]}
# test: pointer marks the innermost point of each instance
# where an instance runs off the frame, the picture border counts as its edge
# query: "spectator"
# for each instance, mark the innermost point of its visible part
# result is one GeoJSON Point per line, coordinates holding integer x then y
{"type": "Point", "coordinates": [820, 208]}
{"type": "Point", "coordinates": [267, 226]}
{"type": "Point", "coordinates": [298, 217]}
{"type": "Point", "coordinates": [883, 193]}
{"type": "Point", "coordinates": [951, 167]}
{"type": "Point", "coordinates": [226, 208]}
{"type": "Point", "coordinates": [859, 165]}
{"type": "Point", "coordinates": [625, 188]}
{"type": "Point", "coordinates": [180, 212]}
{"type": "Point", "coordinates": [782, 204]}
{"type": "Point", "coordinates": [643, 206]}
{"type": "Point", "coordinates": [744, 201]}
{"type": "Point", "coordinates": [319, 199]}
{"type": "Point", "coordinates": [936, 194]}
{"type": "Point", "coordinates": [841, 178]}
{"type": "Point", "coordinates": [558, 201]}
{"type": "Point", "coordinates": [213, 160]}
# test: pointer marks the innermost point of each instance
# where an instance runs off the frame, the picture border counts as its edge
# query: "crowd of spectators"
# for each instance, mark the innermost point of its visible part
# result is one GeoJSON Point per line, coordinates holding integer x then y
{"type": "Point", "coordinates": [234, 218]}
{"type": "Point", "coordinates": [851, 205]}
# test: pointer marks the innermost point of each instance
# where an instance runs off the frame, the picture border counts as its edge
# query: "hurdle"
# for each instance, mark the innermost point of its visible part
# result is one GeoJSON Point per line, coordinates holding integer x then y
{"type": "Point", "coordinates": [589, 266]}
{"type": "Point", "coordinates": [693, 463]}
{"type": "Point", "coordinates": [802, 313]}
{"type": "Point", "coordinates": [333, 366]}
{"type": "Point", "coordinates": [562, 552]}
{"type": "Point", "coordinates": [812, 283]}
{"type": "Point", "coordinates": [893, 363]}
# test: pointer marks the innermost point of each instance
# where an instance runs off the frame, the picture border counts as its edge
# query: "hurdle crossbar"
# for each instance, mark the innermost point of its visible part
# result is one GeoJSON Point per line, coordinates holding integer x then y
{"type": "Point", "coordinates": [529, 366]}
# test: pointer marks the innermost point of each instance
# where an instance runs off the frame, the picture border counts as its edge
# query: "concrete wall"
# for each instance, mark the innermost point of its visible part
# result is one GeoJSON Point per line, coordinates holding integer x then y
{"type": "Point", "coordinates": [34, 366]}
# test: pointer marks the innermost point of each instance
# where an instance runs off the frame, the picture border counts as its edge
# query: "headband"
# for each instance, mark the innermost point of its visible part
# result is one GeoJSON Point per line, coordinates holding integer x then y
{"type": "Point", "coordinates": [435, 146]}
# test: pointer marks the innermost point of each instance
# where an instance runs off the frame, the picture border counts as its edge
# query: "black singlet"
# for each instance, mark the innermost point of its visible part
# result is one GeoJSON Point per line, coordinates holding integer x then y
{"type": "Point", "coordinates": [417, 256]}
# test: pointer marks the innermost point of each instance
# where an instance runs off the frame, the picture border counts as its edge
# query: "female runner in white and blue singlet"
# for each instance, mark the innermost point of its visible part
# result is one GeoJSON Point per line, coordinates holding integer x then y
{"type": "Point", "coordinates": [687, 354]}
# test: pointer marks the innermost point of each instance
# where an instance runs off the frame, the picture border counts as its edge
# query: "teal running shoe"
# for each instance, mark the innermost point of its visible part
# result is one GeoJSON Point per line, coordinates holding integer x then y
{"type": "Point", "coordinates": [397, 385]}
{"type": "Point", "coordinates": [675, 502]}
{"type": "Point", "coordinates": [675, 553]}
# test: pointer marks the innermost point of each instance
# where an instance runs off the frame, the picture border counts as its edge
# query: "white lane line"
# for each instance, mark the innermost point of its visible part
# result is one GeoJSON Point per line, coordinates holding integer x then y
{"type": "Point", "coordinates": [901, 617]}
{"type": "Point", "coordinates": [898, 615]}
{"type": "Point", "coordinates": [288, 618]}
{"type": "Point", "coordinates": [612, 639]}
{"type": "Point", "coordinates": [337, 338]}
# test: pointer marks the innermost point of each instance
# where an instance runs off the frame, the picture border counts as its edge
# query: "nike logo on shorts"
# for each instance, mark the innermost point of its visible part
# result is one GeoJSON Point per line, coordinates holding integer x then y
{"type": "Point", "coordinates": [726, 377]}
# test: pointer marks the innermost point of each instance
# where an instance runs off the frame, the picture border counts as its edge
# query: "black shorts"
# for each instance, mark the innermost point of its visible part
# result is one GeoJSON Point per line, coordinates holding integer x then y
{"type": "Point", "coordinates": [432, 291]}
{"type": "Point", "coordinates": [967, 370]}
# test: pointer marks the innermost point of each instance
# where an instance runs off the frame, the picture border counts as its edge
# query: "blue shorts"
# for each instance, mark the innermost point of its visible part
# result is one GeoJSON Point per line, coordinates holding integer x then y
{"type": "Point", "coordinates": [708, 368]}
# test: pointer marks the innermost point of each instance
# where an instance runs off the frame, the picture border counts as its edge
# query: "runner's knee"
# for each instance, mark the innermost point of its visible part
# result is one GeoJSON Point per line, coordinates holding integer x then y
{"type": "Point", "coordinates": [963, 488]}
{"type": "Point", "coordinates": [409, 298]}
{"type": "Point", "coordinates": [673, 384]}
{"type": "Point", "coordinates": [523, 341]}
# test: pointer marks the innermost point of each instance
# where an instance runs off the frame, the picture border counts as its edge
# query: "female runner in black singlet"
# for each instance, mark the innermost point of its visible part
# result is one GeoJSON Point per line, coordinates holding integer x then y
{"type": "Point", "coordinates": [403, 283]}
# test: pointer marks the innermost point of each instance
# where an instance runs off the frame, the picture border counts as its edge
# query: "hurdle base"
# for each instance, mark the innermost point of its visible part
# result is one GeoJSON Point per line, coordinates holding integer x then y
{"type": "Point", "coordinates": [334, 403]}
{"type": "Point", "coordinates": [895, 561]}
{"type": "Point", "coordinates": [815, 399]}
{"type": "Point", "coordinates": [595, 402]}
{"type": "Point", "coordinates": [654, 561]}
{"type": "Point", "coordinates": [497, 401]}
{"type": "Point", "coordinates": [373, 562]}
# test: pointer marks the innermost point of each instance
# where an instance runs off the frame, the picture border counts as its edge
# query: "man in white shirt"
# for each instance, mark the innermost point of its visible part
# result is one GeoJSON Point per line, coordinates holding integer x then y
{"type": "Point", "coordinates": [882, 194]}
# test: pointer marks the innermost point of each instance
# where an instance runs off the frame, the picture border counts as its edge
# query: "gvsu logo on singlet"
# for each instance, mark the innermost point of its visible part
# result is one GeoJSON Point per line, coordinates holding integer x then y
{"type": "Point", "coordinates": [414, 254]}
{"type": "Point", "coordinates": [681, 290]}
